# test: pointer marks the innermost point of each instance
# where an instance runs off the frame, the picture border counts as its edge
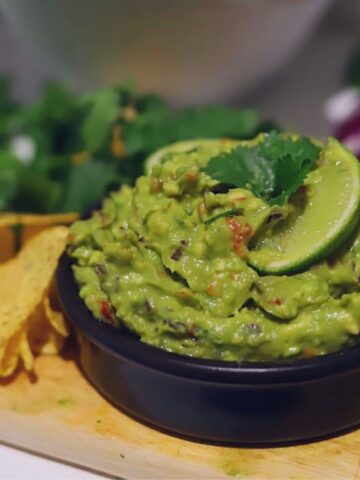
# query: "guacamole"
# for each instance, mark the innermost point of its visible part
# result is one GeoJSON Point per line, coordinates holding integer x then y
{"type": "Point", "coordinates": [168, 258]}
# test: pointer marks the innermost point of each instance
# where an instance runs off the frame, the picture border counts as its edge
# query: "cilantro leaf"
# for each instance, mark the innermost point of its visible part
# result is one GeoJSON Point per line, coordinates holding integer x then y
{"type": "Point", "coordinates": [103, 107]}
{"type": "Point", "coordinates": [273, 170]}
{"type": "Point", "coordinates": [291, 160]}
{"type": "Point", "coordinates": [159, 126]}
{"type": "Point", "coordinates": [289, 176]}
{"type": "Point", "coordinates": [215, 121]}
{"type": "Point", "coordinates": [228, 213]}
{"type": "Point", "coordinates": [276, 145]}
{"type": "Point", "coordinates": [243, 167]}
{"type": "Point", "coordinates": [36, 193]}
{"type": "Point", "coordinates": [86, 185]}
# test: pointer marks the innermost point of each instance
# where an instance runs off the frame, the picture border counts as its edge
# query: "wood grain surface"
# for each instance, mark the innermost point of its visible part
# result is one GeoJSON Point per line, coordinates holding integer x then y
{"type": "Point", "coordinates": [59, 414]}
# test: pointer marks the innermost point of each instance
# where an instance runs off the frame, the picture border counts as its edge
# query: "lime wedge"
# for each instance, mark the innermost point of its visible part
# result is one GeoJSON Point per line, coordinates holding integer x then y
{"type": "Point", "coordinates": [323, 216]}
{"type": "Point", "coordinates": [178, 147]}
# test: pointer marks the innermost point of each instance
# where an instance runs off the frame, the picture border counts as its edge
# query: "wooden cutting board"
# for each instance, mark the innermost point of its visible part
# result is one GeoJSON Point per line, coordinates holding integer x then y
{"type": "Point", "coordinates": [60, 415]}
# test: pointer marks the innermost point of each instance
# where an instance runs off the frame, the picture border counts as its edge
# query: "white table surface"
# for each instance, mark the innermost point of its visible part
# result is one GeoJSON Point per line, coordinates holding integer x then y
{"type": "Point", "coordinates": [295, 99]}
{"type": "Point", "coordinates": [20, 465]}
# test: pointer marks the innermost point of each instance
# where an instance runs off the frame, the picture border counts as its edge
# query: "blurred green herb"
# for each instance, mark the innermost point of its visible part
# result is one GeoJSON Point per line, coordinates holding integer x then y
{"type": "Point", "coordinates": [87, 183]}
{"type": "Point", "coordinates": [64, 152]}
{"type": "Point", "coordinates": [103, 107]}
{"type": "Point", "coordinates": [273, 170]}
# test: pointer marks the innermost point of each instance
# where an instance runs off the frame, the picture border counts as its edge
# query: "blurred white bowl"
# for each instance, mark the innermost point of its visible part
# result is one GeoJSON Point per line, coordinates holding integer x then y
{"type": "Point", "coordinates": [189, 51]}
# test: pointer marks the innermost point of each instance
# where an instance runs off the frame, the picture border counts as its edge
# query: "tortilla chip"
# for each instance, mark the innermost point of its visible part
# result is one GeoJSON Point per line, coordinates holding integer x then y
{"type": "Point", "coordinates": [55, 318]}
{"type": "Point", "coordinates": [30, 225]}
{"type": "Point", "coordinates": [43, 338]}
{"type": "Point", "coordinates": [23, 295]}
{"type": "Point", "coordinates": [25, 352]}
{"type": "Point", "coordinates": [30, 231]}
{"type": "Point", "coordinates": [11, 219]}
{"type": "Point", "coordinates": [9, 354]}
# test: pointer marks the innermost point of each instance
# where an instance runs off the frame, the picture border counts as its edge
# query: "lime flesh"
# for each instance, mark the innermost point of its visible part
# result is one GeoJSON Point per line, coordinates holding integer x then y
{"type": "Point", "coordinates": [320, 223]}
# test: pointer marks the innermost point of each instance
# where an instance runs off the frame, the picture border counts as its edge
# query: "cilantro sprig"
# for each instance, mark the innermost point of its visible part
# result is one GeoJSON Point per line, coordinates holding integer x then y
{"type": "Point", "coordinates": [273, 169]}
{"type": "Point", "coordinates": [233, 212]}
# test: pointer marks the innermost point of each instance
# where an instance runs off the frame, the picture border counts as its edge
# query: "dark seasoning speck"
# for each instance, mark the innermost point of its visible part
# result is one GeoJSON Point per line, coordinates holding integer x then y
{"type": "Point", "coordinates": [177, 254]}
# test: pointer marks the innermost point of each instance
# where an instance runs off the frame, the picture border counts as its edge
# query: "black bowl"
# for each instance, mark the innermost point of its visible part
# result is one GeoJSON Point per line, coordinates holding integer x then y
{"type": "Point", "coordinates": [252, 403]}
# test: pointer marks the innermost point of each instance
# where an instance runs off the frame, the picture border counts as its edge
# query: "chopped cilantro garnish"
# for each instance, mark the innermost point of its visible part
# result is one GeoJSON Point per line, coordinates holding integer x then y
{"type": "Point", "coordinates": [274, 169]}
{"type": "Point", "coordinates": [228, 213]}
